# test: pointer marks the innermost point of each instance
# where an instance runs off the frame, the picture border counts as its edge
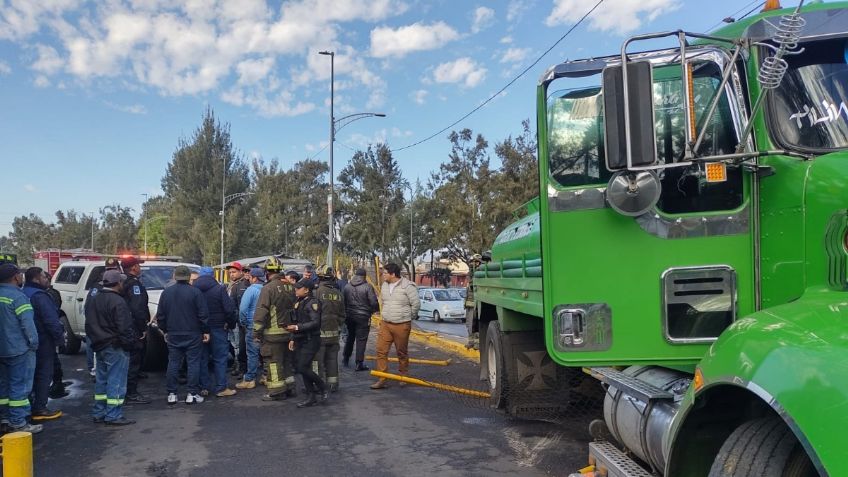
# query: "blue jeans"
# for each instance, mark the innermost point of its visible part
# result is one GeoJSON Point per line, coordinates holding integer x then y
{"type": "Point", "coordinates": [252, 353]}
{"type": "Point", "coordinates": [188, 346]}
{"type": "Point", "coordinates": [16, 375]}
{"type": "Point", "coordinates": [110, 385]}
{"type": "Point", "coordinates": [220, 348]}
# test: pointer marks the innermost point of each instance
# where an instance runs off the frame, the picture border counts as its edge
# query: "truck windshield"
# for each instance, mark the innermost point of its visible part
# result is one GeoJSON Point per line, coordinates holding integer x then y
{"type": "Point", "coordinates": [160, 276]}
{"type": "Point", "coordinates": [809, 110]}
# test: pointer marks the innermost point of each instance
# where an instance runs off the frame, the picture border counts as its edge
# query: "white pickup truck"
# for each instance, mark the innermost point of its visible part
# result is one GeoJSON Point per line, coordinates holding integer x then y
{"type": "Point", "coordinates": [74, 279]}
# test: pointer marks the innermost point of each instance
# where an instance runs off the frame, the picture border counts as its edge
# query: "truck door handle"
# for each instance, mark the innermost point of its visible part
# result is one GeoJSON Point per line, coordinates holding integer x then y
{"type": "Point", "coordinates": [80, 299]}
{"type": "Point", "coordinates": [571, 327]}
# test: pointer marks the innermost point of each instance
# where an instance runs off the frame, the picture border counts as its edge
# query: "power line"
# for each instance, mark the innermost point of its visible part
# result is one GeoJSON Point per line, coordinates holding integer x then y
{"type": "Point", "coordinates": [319, 152]}
{"type": "Point", "coordinates": [733, 15]}
{"type": "Point", "coordinates": [507, 85]}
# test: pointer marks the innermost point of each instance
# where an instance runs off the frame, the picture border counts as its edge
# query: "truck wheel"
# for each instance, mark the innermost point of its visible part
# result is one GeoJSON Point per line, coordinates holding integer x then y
{"type": "Point", "coordinates": [70, 343]}
{"type": "Point", "coordinates": [156, 353]}
{"type": "Point", "coordinates": [761, 448]}
{"type": "Point", "coordinates": [436, 316]}
{"type": "Point", "coordinates": [496, 366]}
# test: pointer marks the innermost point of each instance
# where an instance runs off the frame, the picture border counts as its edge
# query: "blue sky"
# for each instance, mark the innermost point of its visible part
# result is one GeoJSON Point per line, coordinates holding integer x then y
{"type": "Point", "coordinates": [94, 96]}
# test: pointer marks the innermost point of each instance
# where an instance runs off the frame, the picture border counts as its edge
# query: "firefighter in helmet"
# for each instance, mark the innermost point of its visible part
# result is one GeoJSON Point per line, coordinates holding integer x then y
{"type": "Point", "coordinates": [470, 323]}
{"type": "Point", "coordinates": [274, 309]}
{"type": "Point", "coordinates": [332, 317]}
{"type": "Point", "coordinates": [273, 268]}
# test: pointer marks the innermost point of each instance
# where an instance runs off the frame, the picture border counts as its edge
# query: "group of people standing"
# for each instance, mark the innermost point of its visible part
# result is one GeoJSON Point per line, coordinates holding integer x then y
{"type": "Point", "coordinates": [287, 323]}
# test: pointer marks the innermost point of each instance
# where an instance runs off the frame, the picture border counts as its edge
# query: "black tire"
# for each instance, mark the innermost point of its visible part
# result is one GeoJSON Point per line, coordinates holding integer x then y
{"type": "Point", "coordinates": [436, 316]}
{"type": "Point", "coordinates": [156, 352]}
{"type": "Point", "coordinates": [70, 342]}
{"type": "Point", "coordinates": [496, 366]}
{"type": "Point", "coordinates": [762, 447]}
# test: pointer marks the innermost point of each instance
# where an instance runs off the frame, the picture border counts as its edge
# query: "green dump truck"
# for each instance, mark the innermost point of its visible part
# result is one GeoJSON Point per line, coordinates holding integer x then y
{"type": "Point", "coordinates": [689, 251]}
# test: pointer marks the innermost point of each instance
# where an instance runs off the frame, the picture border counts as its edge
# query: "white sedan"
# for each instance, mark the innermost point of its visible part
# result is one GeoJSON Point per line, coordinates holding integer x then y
{"type": "Point", "coordinates": [441, 304]}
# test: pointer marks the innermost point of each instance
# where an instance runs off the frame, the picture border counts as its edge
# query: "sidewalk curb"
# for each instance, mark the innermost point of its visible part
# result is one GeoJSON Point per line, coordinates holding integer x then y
{"type": "Point", "coordinates": [433, 339]}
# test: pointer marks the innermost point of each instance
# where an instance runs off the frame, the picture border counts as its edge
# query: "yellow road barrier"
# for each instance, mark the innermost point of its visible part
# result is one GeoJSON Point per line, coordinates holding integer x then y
{"type": "Point", "coordinates": [434, 362]}
{"type": "Point", "coordinates": [428, 384]}
{"type": "Point", "coordinates": [17, 454]}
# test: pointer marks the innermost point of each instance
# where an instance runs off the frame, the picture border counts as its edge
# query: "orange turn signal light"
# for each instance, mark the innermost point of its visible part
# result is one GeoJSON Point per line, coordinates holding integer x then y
{"type": "Point", "coordinates": [716, 172]}
{"type": "Point", "coordinates": [698, 381]}
{"type": "Point", "coordinates": [771, 5]}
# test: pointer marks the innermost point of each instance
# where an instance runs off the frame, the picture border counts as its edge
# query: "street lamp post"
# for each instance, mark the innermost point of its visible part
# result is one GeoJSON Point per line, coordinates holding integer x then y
{"type": "Point", "coordinates": [224, 201]}
{"type": "Point", "coordinates": [343, 121]}
{"type": "Point", "coordinates": [145, 225]}
{"type": "Point", "coordinates": [92, 231]}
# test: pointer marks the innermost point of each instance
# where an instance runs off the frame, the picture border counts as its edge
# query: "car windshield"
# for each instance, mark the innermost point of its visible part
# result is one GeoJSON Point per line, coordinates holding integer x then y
{"type": "Point", "coordinates": [809, 110]}
{"type": "Point", "coordinates": [159, 277]}
{"type": "Point", "coordinates": [446, 295]}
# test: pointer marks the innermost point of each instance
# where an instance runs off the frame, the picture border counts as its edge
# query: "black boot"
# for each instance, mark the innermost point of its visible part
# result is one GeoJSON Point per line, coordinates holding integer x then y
{"type": "Point", "coordinates": [57, 391]}
{"type": "Point", "coordinates": [309, 402]}
{"type": "Point", "coordinates": [360, 366]}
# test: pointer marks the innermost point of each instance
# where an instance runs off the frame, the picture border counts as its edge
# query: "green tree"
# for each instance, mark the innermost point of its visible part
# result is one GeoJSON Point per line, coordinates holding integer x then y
{"type": "Point", "coordinates": [28, 235]}
{"type": "Point", "coordinates": [119, 230]}
{"type": "Point", "coordinates": [371, 204]}
{"type": "Point", "coordinates": [517, 180]}
{"type": "Point", "coordinates": [155, 213]}
{"type": "Point", "coordinates": [193, 184]}
{"type": "Point", "coordinates": [73, 230]}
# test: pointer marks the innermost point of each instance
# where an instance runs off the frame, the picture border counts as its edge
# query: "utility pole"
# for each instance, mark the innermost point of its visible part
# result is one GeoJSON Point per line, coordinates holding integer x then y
{"type": "Point", "coordinates": [92, 231]}
{"type": "Point", "coordinates": [145, 224]}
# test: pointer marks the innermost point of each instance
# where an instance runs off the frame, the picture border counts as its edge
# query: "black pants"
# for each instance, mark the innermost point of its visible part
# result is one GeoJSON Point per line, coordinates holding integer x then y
{"type": "Point", "coordinates": [357, 330]}
{"type": "Point", "coordinates": [305, 350]}
{"type": "Point", "coordinates": [43, 372]}
{"type": "Point", "coordinates": [58, 375]}
{"type": "Point", "coordinates": [136, 356]}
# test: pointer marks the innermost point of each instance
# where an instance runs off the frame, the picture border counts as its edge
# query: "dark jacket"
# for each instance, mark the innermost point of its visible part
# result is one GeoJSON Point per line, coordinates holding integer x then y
{"type": "Point", "coordinates": [108, 321]}
{"type": "Point", "coordinates": [274, 310]}
{"type": "Point", "coordinates": [182, 310]}
{"type": "Point", "coordinates": [237, 289]}
{"type": "Point", "coordinates": [136, 296]}
{"type": "Point", "coordinates": [50, 329]}
{"type": "Point", "coordinates": [307, 311]}
{"type": "Point", "coordinates": [222, 310]}
{"type": "Point", "coordinates": [332, 308]}
{"type": "Point", "coordinates": [360, 299]}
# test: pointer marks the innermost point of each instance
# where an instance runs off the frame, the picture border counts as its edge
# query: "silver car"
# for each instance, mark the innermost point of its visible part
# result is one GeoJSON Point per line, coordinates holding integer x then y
{"type": "Point", "coordinates": [441, 304]}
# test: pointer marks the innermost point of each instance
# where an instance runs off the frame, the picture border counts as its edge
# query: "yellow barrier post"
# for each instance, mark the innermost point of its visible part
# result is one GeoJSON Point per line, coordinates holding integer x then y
{"type": "Point", "coordinates": [17, 454]}
{"type": "Point", "coordinates": [428, 384]}
{"type": "Point", "coordinates": [434, 362]}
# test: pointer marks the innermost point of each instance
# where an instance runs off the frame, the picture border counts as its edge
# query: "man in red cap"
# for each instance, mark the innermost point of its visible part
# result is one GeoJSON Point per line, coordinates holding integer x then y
{"type": "Point", "coordinates": [136, 296]}
{"type": "Point", "coordinates": [238, 284]}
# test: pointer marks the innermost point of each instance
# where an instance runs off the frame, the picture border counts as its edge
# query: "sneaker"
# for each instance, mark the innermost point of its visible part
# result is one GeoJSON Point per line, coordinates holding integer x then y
{"type": "Point", "coordinates": [380, 384]}
{"type": "Point", "coordinates": [122, 421]}
{"type": "Point", "coordinates": [31, 428]}
{"type": "Point", "coordinates": [226, 392]}
{"type": "Point", "coordinates": [46, 414]}
{"type": "Point", "coordinates": [136, 399]}
{"type": "Point", "coordinates": [172, 398]}
{"type": "Point", "coordinates": [246, 385]}
{"type": "Point", "coordinates": [194, 398]}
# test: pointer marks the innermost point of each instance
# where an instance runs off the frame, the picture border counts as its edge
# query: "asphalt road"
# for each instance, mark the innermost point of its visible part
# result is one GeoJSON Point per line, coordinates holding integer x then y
{"type": "Point", "coordinates": [407, 431]}
{"type": "Point", "coordinates": [453, 328]}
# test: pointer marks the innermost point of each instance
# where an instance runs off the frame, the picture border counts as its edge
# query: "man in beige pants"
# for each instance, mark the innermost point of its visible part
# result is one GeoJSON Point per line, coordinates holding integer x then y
{"type": "Point", "coordinates": [400, 306]}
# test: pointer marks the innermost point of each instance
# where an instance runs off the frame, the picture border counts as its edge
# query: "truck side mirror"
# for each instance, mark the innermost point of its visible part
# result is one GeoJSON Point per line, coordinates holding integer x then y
{"type": "Point", "coordinates": [487, 256]}
{"type": "Point", "coordinates": [640, 104]}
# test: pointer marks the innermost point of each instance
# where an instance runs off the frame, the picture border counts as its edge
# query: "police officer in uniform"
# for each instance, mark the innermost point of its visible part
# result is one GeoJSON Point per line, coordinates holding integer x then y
{"type": "Point", "coordinates": [136, 296]}
{"type": "Point", "coordinates": [332, 317]}
{"type": "Point", "coordinates": [306, 341]}
{"type": "Point", "coordinates": [274, 312]}
{"type": "Point", "coordinates": [473, 332]}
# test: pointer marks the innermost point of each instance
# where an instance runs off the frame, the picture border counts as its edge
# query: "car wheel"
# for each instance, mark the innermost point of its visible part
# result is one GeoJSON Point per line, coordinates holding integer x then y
{"type": "Point", "coordinates": [496, 366]}
{"type": "Point", "coordinates": [70, 343]}
{"type": "Point", "coordinates": [436, 316]}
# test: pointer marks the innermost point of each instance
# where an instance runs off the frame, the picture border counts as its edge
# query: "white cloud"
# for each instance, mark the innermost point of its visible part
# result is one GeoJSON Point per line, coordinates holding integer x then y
{"type": "Point", "coordinates": [30, 188]}
{"type": "Point", "coordinates": [131, 109]}
{"type": "Point", "coordinates": [464, 70]}
{"type": "Point", "coordinates": [515, 55]}
{"type": "Point", "coordinates": [386, 41]}
{"type": "Point", "coordinates": [516, 9]}
{"type": "Point", "coordinates": [618, 16]}
{"type": "Point", "coordinates": [483, 17]}
{"type": "Point", "coordinates": [193, 47]}
{"type": "Point", "coordinates": [5, 69]}
{"type": "Point", "coordinates": [41, 81]}
{"type": "Point", "coordinates": [506, 40]}
{"type": "Point", "coordinates": [419, 96]}
{"type": "Point", "coordinates": [49, 61]}
{"type": "Point", "coordinates": [398, 133]}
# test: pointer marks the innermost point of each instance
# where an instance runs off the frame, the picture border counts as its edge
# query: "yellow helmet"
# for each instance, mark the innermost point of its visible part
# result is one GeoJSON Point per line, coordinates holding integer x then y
{"type": "Point", "coordinates": [273, 264]}
{"type": "Point", "coordinates": [324, 271]}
